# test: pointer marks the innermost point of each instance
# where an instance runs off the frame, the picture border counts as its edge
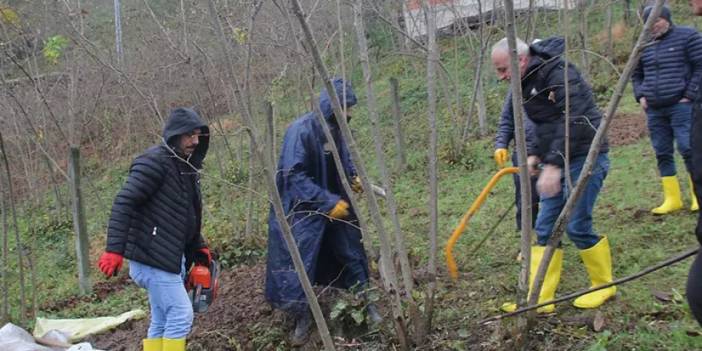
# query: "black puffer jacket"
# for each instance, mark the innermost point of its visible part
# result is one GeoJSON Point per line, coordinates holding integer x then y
{"type": "Point", "coordinates": [156, 216]}
{"type": "Point", "coordinates": [543, 91]}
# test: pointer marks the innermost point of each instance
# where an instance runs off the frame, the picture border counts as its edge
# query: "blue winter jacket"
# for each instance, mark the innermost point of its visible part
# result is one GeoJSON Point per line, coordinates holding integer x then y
{"type": "Point", "coordinates": [670, 68]}
{"type": "Point", "coordinates": [310, 187]}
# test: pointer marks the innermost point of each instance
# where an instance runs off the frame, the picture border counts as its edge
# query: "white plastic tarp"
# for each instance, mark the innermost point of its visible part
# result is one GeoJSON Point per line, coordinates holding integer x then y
{"type": "Point", "coordinates": [14, 338]}
{"type": "Point", "coordinates": [77, 329]}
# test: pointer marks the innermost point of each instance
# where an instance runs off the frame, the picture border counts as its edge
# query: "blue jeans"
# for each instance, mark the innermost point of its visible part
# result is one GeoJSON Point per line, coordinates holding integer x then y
{"type": "Point", "coordinates": [171, 309]}
{"type": "Point", "coordinates": [664, 125]}
{"type": "Point", "coordinates": [579, 227]}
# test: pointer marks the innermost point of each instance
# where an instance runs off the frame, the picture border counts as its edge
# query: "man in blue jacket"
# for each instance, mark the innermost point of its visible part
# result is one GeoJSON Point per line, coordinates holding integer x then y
{"type": "Point", "coordinates": [666, 81]}
{"type": "Point", "coordinates": [317, 208]}
{"type": "Point", "coordinates": [544, 100]}
{"type": "Point", "coordinates": [155, 223]}
{"type": "Point", "coordinates": [505, 135]}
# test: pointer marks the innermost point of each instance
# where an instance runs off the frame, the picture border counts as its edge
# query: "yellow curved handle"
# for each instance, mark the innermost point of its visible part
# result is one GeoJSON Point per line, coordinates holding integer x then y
{"type": "Point", "coordinates": [453, 270]}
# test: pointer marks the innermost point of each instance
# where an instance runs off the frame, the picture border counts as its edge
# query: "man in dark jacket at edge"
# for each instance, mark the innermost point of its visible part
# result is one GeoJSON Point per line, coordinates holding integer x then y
{"type": "Point", "coordinates": [155, 223]}
{"type": "Point", "coordinates": [504, 136]}
{"type": "Point", "coordinates": [694, 280]}
{"type": "Point", "coordinates": [542, 72]}
{"type": "Point", "coordinates": [665, 81]}
{"type": "Point", "coordinates": [317, 208]}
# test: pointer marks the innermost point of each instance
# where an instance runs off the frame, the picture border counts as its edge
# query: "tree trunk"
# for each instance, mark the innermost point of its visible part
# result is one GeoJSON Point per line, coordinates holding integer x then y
{"type": "Point", "coordinates": [79, 225]}
{"type": "Point", "coordinates": [273, 189]}
{"type": "Point", "coordinates": [531, 22]}
{"type": "Point", "coordinates": [15, 224]}
{"type": "Point", "coordinates": [5, 255]}
{"type": "Point", "coordinates": [566, 30]}
{"type": "Point", "coordinates": [432, 63]}
{"type": "Point", "coordinates": [405, 266]}
{"type": "Point", "coordinates": [340, 115]}
{"type": "Point", "coordinates": [397, 118]}
{"type": "Point", "coordinates": [119, 51]}
{"type": "Point", "coordinates": [582, 35]}
{"type": "Point", "coordinates": [482, 110]}
{"type": "Point", "coordinates": [270, 131]}
{"type": "Point", "coordinates": [250, 199]}
{"type": "Point", "coordinates": [608, 27]}
{"type": "Point", "coordinates": [520, 139]}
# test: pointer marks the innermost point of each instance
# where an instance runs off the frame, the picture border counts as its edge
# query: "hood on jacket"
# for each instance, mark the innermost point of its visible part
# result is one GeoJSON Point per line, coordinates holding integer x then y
{"type": "Point", "coordinates": [665, 13]}
{"type": "Point", "coordinates": [341, 87]}
{"type": "Point", "coordinates": [548, 48]}
{"type": "Point", "coordinates": [184, 120]}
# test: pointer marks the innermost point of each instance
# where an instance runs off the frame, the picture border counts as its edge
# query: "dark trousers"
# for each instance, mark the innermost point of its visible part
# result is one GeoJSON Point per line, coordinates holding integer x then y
{"type": "Point", "coordinates": [518, 197]}
{"type": "Point", "coordinates": [696, 152]}
{"type": "Point", "coordinates": [694, 288]}
{"type": "Point", "coordinates": [694, 279]}
{"type": "Point", "coordinates": [666, 125]}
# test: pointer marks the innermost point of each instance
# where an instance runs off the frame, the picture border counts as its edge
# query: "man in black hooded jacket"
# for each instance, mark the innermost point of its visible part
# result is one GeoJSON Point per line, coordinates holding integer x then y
{"type": "Point", "coordinates": [155, 223]}
{"type": "Point", "coordinates": [544, 90]}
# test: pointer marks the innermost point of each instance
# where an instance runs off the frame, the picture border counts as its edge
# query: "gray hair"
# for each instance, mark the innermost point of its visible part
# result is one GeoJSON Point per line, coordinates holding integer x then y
{"type": "Point", "coordinates": [502, 45]}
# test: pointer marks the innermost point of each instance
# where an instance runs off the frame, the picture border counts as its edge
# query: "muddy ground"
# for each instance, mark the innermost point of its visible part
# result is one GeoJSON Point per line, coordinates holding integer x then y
{"type": "Point", "coordinates": [240, 319]}
{"type": "Point", "coordinates": [627, 129]}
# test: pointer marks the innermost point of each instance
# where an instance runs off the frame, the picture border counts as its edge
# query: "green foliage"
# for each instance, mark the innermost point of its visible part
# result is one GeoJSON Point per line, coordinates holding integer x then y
{"type": "Point", "coordinates": [350, 309]}
{"type": "Point", "coordinates": [9, 16]}
{"type": "Point", "coordinates": [54, 48]}
{"type": "Point", "coordinates": [267, 337]}
{"type": "Point", "coordinates": [240, 35]}
{"type": "Point", "coordinates": [239, 250]}
{"type": "Point", "coordinates": [474, 154]}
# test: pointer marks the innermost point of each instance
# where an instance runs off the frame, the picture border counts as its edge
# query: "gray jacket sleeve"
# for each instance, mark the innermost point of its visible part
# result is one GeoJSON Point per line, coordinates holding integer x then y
{"type": "Point", "coordinates": [505, 128]}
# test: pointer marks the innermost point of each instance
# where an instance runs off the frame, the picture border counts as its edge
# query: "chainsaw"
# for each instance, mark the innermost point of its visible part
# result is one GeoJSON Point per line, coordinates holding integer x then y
{"type": "Point", "coordinates": [202, 285]}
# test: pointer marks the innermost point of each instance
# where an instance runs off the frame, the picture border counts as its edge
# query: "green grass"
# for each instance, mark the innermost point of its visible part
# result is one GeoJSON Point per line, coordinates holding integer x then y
{"type": "Point", "coordinates": [634, 320]}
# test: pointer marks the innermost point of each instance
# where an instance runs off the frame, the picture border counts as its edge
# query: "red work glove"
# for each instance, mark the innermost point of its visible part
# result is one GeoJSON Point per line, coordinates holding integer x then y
{"type": "Point", "coordinates": [202, 254]}
{"type": "Point", "coordinates": [110, 263]}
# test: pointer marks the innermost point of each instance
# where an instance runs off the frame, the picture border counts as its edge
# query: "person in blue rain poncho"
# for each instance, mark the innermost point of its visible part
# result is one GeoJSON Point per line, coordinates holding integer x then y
{"type": "Point", "coordinates": [317, 209]}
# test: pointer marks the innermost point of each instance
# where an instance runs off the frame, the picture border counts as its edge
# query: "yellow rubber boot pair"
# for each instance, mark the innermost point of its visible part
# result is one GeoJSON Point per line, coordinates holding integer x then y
{"type": "Point", "coordinates": [154, 344]}
{"type": "Point", "coordinates": [553, 277]}
{"type": "Point", "coordinates": [164, 344]}
{"type": "Point", "coordinates": [598, 262]}
{"type": "Point", "coordinates": [693, 198]}
{"type": "Point", "coordinates": [671, 196]}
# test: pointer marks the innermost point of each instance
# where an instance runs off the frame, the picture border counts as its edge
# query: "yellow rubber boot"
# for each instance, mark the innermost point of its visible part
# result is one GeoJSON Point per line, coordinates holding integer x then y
{"type": "Point", "coordinates": [694, 206]}
{"type": "Point", "coordinates": [598, 262]}
{"type": "Point", "coordinates": [173, 344]}
{"type": "Point", "coordinates": [553, 277]}
{"type": "Point", "coordinates": [155, 344]}
{"type": "Point", "coordinates": [671, 196]}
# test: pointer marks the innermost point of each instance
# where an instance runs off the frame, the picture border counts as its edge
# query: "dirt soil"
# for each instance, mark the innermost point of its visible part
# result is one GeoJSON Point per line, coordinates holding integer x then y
{"type": "Point", "coordinates": [627, 129]}
{"type": "Point", "coordinates": [240, 318]}
{"type": "Point", "coordinates": [239, 307]}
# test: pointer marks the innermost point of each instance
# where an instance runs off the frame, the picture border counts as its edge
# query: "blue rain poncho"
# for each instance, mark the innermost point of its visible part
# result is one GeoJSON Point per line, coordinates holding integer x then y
{"type": "Point", "coordinates": [310, 187]}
